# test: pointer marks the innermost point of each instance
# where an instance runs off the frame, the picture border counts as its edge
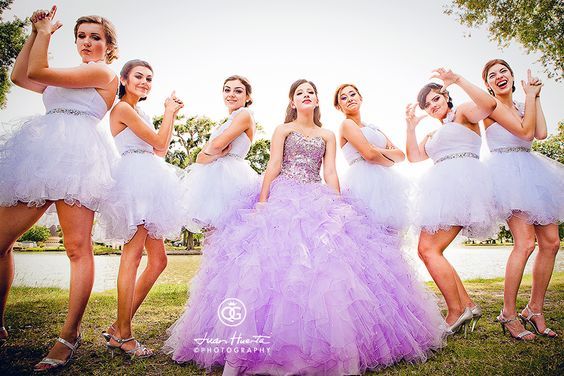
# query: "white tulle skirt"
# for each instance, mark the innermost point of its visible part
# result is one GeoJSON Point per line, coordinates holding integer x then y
{"type": "Point", "coordinates": [528, 185]}
{"type": "Point", "coordinates": [214, 190]}
{"type": "Point", "coordinates": [55, 157]}
{"type": "Point", "coordinates": [147, 192]}
{"type": "Point", "coordinates": [382, 190]}
{"type": "Point", "coordinates": [456, 192]}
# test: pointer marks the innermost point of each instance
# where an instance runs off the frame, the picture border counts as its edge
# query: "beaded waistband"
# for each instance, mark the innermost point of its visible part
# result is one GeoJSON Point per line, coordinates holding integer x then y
{"type": "Point", "coordinates": [356, 160]}
{"type": "Point", "coordinates": [136, 151]}
{"type": "Point", "coordinates": [70, 111]}
{"type": "Point", "coordinates": [233, 155]}
{"type": "Point", "coordinates": [458, 155]}
{"type": "Point", "coordinates": [511, 149]}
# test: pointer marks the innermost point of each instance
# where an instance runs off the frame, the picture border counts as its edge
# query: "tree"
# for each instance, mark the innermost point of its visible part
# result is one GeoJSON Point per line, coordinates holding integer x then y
{"type": "Point", "coordinates": [12, 39]}
{"type": "Point", "coordinates": [36, 234]}
{"type": "Point", "coordinates": [538, 25]}
{"type": "Point", "coordinates": [259, 155]}
{"type": "Point", "coordinates": [553, 146]}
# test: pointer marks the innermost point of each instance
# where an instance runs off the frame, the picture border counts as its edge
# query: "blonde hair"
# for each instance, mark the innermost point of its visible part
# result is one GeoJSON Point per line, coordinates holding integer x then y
{"type": "Point", "coordinates": [109, 32]}
{"type": "Point", "coordinates": [338, 91]}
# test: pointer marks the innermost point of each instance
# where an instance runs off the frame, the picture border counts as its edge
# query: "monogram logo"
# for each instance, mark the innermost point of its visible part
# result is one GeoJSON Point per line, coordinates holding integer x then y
{"type": "Point", "coordinates": [232, 312]}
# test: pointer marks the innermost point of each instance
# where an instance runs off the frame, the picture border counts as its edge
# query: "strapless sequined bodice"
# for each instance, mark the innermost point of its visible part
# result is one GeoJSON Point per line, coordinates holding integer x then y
{"type": "Point", "coordinates": [373, 135]}
{"type": "Point", "coordinates": [85, 101]}
{"type": "Point", "coordinates": [127, 142]}
{"type": "Point", "coordinates": [302, 158]}
{"type": "Point", "coordinates": [239, 146]}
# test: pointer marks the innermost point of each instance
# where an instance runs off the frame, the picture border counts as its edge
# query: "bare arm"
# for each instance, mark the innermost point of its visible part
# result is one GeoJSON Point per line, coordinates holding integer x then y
{"type": "Point", "coordinates": [482, 104]}
{"type": "Point", "coordinates": [329, 169]}
{"type": "Point", "coordinates": [203, 158]}
{"type": "Point", "coordinates": [370, 153]}
{"type": "Point", "coordinates": [19, 73]}
{"type": "Point", "coordinates": [541, 131]}
{"type": "Point", "coordinates": [392, 152]}
{"type": "Point", "coordinates": [241, 123]}
{"type": "Point", "coordinates": [275, 162]}
{"type": "Point", "coordinates": [415, 152]}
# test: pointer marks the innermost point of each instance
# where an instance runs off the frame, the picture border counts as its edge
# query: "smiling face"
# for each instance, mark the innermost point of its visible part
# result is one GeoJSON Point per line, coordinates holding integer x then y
{"type": "Point", "coordinates": [305, 97]}
{"type": "Point", "coordinates": [138, 82]}
{"type": "Point", "coordinates": [499, 79]}
{"type": "Point", "coordinates": [91, 42]}
{"type": "Point", "coordinates": [349, 100]}
{"type": "Point", "coordinates": [234, 95]}
{"type": "Point", "coordinates": [436, 104]}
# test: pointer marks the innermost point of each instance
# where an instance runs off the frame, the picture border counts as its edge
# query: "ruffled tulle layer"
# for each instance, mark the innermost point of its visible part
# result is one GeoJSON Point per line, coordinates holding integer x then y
{"type": "Point", "coordinates": [325, 290]}
{"type": "Point", "coordinates": [147, 192]}
{"type": "Point", "coordinates": [456, 192]}
{"type": "Point", "coordinates": [216, 189]}
{"type": "Point", "coordinates": [56, 157]}
{"type": "Point", "coordinates": [382, 190]}
{"type": "Point", "coordinates": [529, 185]}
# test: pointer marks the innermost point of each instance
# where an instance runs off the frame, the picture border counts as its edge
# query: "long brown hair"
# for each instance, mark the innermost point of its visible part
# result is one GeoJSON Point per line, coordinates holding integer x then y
{"type": "Point", "coordinates": [109, 33]}
{"type": "Point", "coordinates": [292, 113]}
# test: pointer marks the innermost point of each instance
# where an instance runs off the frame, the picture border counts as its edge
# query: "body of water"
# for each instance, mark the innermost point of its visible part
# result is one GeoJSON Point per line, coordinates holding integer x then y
{"type": "Point", "coordinates": [51, 269]}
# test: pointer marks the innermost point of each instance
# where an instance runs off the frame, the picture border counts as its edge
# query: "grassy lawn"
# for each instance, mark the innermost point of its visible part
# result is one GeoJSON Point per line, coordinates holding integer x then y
{"type": "Point", "coordinates": [35, 314]}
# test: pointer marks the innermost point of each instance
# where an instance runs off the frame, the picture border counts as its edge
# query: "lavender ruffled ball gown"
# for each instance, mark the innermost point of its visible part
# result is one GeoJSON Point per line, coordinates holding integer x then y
{"type": "Point", "coordinates": [325, 291]}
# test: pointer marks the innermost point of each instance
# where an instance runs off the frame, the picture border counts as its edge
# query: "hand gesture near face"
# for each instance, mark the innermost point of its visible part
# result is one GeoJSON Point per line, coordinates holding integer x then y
{"type": "Point", "coordinates": [533, 85]}
{"type": "Point", "coordinates": [446, 75]}
{"type": "Point", "coordinates": [173, 104]}
{"type": "Point", "coordinates": [43, 21]}
{"type": "Point", "coordinates": [411, 119]}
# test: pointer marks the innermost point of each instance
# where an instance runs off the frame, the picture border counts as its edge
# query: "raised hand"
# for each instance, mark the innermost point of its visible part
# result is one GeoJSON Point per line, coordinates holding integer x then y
{"type": "Point", "coordinates": [43, 20]}
{"type": "Point", "coordinates": [446, 75]}
{"type": "Point", "coordinates": [173, 103]}
{"type": "Point", "coordinates": [533, 85]}
{"type": "Point", "coordinates": [410, 118]}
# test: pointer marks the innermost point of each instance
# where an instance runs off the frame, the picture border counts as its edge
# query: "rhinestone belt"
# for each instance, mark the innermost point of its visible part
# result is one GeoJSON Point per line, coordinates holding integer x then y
{"type": "Point", "coordinates": [456, 156]}
{"type": "Point", "coordinates": [70, 111]}
{"type": "Point", "coordinates": [356, 160]}
{"type": "Point", "coordinates": [233, 155]}
{"type": "Point", "coordinates": [511, 149]}
{"type": "Point", "coordinates": [136, 151]}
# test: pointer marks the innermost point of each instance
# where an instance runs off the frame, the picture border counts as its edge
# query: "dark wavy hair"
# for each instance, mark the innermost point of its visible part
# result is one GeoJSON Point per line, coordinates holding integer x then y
{"type": "Point", "coordinates": [125, 73]}
{"type": "Point", "coordinates": [437, 88]}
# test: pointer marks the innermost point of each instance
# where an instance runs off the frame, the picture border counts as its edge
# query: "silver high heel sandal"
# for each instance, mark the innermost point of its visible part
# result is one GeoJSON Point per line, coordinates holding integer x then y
{"type": "Point", "coordinates": [529, 320]}
{"type": "Point", "coordinates": [57, 363]}
{"type": "Point", "coordinates": [107, 335]}
{"type": "Point", "coordinates": [460, 323]}
{"type": "Point", "coordinates": [476, 315]}
{"type": "Point", "coordinates": [139, 351]}
{"type": "Point", "coordinates": [504, 321]}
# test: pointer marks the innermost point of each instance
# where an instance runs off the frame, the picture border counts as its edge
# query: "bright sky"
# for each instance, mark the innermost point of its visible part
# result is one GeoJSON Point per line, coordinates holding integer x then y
{"type": "Point", "coordinates": [388, 49]}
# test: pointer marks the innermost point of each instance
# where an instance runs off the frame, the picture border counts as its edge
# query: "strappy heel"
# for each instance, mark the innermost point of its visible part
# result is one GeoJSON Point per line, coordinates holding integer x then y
{"type": "Point", "coordinates": [107, 335]}
{"type": "Point", "coordinates": [529, 320]}
{"type": "Point", "coordinates": [476, 315]}
{"type": "Point", "coordinates": [139, 351]}
{"type": "Point", "coordinates": [461, 323]}
{"type": "Point", "coordinates": [57, 363]}
{"type": "Point", "coordinates": [504, 321]}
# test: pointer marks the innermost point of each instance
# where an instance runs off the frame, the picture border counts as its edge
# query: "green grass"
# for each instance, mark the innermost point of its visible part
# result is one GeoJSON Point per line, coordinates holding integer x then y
{"type": "Point", "coordinates": [35, 315]}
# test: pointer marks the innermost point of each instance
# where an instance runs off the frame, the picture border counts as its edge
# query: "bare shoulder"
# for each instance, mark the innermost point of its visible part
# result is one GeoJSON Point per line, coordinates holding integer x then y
{"type": "Point", "coordinates": [283, 130]}
{"type": "Point", "coordinates": [327, 135]}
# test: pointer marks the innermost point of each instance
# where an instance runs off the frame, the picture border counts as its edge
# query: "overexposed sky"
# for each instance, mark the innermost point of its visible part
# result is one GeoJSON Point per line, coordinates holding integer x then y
{"type": "Point", "coordinates": [387, 49]}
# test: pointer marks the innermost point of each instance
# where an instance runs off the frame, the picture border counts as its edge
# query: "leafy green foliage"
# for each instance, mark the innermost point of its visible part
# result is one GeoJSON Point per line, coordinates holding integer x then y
{"type": "Point", "coordinates": [12, 39]}
{"type": "Point", "coordinates": [553, 146]}
{"type": "Point", "coordinates": [36, 234]}
{"type": "Point", "coordinates": [537, 25]}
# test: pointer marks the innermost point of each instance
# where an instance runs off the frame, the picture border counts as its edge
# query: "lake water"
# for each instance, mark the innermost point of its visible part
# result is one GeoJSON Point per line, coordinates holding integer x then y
{"type": "Point", "coordinates": [51, 269]}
